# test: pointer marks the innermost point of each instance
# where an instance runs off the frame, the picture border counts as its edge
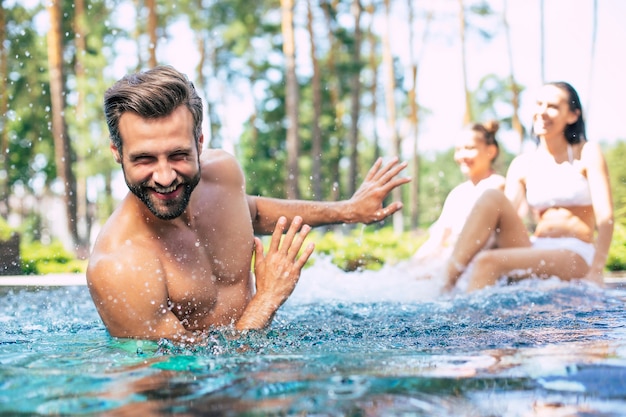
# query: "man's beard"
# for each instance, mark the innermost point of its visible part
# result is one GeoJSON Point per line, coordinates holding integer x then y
{"type": "Point", "coordinates": [165, 209]}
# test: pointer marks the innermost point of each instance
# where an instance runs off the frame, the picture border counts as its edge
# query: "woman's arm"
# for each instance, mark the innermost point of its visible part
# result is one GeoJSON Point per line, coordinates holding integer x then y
{"type": "Point", "coordinates": [515, 186]}
{"type": "Point", "coordinates": [602, 200]}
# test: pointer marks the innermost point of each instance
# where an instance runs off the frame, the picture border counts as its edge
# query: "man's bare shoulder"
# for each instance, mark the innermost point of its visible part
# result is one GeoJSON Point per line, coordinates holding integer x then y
{"type": "Point", "coordinates": [128, 286]}
{"type": "Point", "coordinates": [116, 257]}
{"type": "Point", "coordinates": [123, 245]}
{"type": "Point", "coordinates": [219, 166]}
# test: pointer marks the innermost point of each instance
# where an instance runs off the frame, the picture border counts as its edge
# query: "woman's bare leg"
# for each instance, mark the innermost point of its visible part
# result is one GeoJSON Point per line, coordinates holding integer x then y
{"type": "Point", "coordinates": [490, 265]}
{"type": "Point", "coordinates": [492, 213]}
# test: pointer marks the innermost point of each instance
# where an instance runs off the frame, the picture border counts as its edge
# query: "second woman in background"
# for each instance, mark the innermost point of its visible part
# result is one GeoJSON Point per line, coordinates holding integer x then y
{"type": "Point", "coordinates": [475, 152]}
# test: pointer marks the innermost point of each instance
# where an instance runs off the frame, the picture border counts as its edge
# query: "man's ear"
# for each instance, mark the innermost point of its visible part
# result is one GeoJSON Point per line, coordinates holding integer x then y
{"type": "Point", "coordinates": [116, 153]}
{"type": "Point", "coordinates": [200, 144]}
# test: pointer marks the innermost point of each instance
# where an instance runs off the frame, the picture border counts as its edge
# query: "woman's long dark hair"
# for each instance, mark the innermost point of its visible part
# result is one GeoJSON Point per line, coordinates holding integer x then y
{"type": "Point", "coordinates": [575, 132]}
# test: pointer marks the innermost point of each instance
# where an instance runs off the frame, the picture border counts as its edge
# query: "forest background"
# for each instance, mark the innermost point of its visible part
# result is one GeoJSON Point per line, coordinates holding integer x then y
{"type": "Point", "coordinates": [306, 94]}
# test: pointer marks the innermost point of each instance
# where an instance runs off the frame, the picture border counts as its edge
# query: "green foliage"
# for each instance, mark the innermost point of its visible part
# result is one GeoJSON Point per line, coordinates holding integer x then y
{"type": "Point", "coordinates": [38, 258]}
{"type": "Point", "coordinates": [370, 248]}
{"type": "Point", "coordinates": [30, 152]}
{"type": "Point", "coordinates": [616, 261]}
{"type": "Point", "coordinates": [5, 230]}
{"type": "Point", "coordinates": [438, 177]}
{"type": "Point", "coordinates": [366, 247]}
{"type": "Point", "coordinates": [493, 100]}
{"type": "Point", "coordinates": [363, 248]}
{"type": "Point", "coordinates": [615, 156]}
{"type": "Point", "coordinates": [242, 44]}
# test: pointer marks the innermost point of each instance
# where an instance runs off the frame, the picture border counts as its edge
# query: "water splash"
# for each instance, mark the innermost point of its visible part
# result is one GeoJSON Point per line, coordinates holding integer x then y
{"type": "Point", "coordinates": [365, 343]}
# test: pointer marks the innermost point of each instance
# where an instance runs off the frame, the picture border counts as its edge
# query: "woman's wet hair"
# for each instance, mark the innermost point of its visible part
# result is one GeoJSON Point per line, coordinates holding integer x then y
{"type": "Point", "coordinates": [575, 132]}
{"type": "Point", "coordinates": [488, 131]}
{"type": "Point", "coordinates": [151, 94]}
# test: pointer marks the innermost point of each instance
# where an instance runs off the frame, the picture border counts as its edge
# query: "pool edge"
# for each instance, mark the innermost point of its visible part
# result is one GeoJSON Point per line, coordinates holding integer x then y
{"type": "Point", "coordinates": [48, 280]}
{"type": "Point", "coordinates": [612, 280]}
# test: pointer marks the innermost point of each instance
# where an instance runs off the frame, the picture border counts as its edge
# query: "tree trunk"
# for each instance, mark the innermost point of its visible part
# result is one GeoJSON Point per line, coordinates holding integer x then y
{"type": "Point", "coordinates": [542, 50]}
{"type": "Point", "coordinates": [355, 97]}
{"type": "Point", "coordinates": [390, 87]}
{"type": "Point", "coordinates": [413, 121]}
{"type": "Point", "coordinates": [373, 88]}
{"type": "Point", "coordinates": [4, 108]}
{"type": "Point", "coordinates": [62, 149]}
{"type": "Point", "coordinates": [136, 35]}
{"type": "Point", "coordinates": [414, 118]}
{"type": "Point", "coordinates": [467, 117]}
{"type": "Point", "coordinates": [83, 215]}
{"type": "Point", "coordinates": [152, 32]}
{"type": "Point", "coordinates": [208, 57]}
{"type": "Point", "coordinates": [316, 86]}
{"type": "Point", "coordinates": [335, 91]}
{"type": "Point", "coordinates": [200, 78]}
{"type": "Point", "coordinates": [291, 99]}
{"type": "Point", "coordinates": [594, 39]}
{"type": "Point", "coordinates": [515, 100]}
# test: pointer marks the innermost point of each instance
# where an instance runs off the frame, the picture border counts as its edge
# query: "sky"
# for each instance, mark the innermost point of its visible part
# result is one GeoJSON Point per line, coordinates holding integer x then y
{"type": "Point", "coordinates": [568, 34]}
{"type": "Point", "coordinates": [568, 25]}
{"type": "Point", "coordinates": [568, 57]}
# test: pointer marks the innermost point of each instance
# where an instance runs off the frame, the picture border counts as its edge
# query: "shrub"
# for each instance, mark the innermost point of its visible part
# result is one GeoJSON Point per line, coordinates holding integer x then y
{"type": "Point", "coordinates": [616, 261]}
{"type": "Point", "coordinates": [38, 258]}
{"type": "Point", "coordinates": [366, 247]}
{"type": "Point", "coordinates": [370, 248]}
{"type": "Point", "coordinates": [5, 230]}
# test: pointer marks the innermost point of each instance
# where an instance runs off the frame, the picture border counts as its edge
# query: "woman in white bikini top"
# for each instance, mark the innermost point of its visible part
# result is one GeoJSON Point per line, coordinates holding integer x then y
{"type": "Point", "coordinates": [557, 184]}
{"type": "Point", "coordinates": [565, 181]}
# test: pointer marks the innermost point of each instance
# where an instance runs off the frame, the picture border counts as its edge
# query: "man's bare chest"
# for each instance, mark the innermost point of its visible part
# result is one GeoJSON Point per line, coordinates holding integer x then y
{"type": "Point", "coordinates": [191, 259]}
{"type": "Point", "coordinates": [203, 270]}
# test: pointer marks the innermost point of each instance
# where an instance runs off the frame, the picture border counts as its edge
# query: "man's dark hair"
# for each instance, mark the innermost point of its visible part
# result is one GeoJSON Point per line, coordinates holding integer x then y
{"type": "Point", "coordinates": [151, 94]}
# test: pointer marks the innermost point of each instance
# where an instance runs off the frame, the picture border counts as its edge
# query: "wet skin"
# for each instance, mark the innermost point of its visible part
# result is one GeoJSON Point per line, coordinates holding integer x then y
{"type": "Point", "coordinates": [155, 273]}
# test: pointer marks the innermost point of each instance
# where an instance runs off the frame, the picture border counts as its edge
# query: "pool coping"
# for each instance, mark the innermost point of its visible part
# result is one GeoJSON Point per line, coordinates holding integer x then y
{"type": "Point", "coordinates": [48, 280]}
{"type": "Point", "coordinates": [62, 280]}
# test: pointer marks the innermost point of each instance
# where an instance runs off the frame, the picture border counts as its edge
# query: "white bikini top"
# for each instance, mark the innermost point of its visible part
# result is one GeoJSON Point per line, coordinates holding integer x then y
{"type": "Point", "coordinates": [559, 185]}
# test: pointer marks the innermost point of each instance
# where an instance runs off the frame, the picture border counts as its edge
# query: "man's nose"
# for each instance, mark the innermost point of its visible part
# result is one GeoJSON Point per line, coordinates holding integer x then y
{"type": "Point", "coordinates": [164, 174]}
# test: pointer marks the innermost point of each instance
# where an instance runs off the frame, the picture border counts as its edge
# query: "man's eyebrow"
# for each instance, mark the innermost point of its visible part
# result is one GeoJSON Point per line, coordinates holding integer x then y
{"type": "Point", "coordinates": [135, 155]}
{"type": "Point", "coordinates": [139, 154]}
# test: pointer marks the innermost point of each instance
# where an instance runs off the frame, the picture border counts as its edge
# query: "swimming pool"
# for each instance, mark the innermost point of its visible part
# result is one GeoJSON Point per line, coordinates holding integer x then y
{"type": "Point", "coordinates": [359, 344]}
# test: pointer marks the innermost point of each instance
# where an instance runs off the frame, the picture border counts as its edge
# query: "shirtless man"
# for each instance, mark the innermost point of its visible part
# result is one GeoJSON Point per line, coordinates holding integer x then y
{"type": "Point", "coordinates": [174, 258]}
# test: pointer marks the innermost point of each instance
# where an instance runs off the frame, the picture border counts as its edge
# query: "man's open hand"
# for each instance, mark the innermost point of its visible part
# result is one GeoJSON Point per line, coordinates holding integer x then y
{"type": "Point", "coordinates": [278, 271]}
{"type": "Point", "coordinates": [367, 202]}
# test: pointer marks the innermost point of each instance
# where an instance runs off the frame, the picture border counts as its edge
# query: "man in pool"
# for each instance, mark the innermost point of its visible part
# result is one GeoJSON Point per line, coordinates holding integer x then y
{"type": "Point", "coordinates": [174, 259]}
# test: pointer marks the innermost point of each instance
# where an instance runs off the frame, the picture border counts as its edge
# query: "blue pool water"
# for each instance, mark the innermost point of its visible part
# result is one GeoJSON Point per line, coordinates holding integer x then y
{"type": "Point", "coordinates": [359, 344]}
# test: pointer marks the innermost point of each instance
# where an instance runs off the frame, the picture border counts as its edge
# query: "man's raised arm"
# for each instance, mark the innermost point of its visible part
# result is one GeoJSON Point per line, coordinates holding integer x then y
{"type": "Point", "coordinates": [365, 206]}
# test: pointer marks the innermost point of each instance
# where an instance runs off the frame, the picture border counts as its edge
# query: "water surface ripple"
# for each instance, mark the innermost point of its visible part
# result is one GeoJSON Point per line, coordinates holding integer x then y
{"type": "Point", "coordinates": [531, 349]}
